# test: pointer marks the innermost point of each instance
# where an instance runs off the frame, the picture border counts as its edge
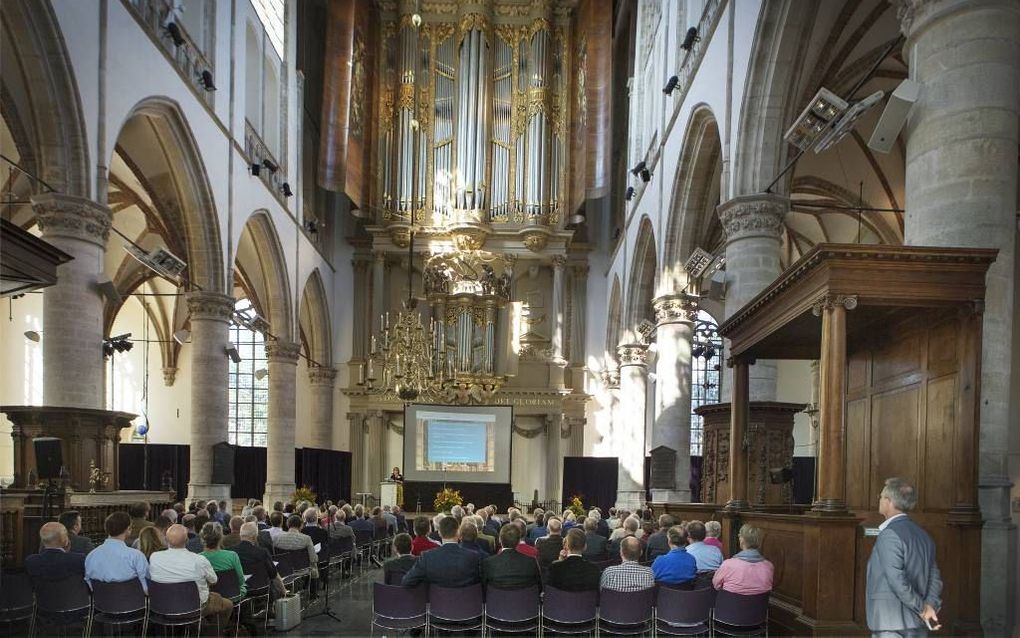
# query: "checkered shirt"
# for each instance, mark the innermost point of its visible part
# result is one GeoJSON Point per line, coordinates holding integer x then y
{"type": "Point", "coordinates": [627, 576]}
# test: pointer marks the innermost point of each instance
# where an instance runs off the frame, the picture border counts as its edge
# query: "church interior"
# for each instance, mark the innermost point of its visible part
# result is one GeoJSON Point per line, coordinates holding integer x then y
{"type": "Point", "coordinates": [720, 261]}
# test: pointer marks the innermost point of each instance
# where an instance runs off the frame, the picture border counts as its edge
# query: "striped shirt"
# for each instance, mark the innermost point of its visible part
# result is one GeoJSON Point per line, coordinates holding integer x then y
{"type": "Point", "coordinates": [627, 576]}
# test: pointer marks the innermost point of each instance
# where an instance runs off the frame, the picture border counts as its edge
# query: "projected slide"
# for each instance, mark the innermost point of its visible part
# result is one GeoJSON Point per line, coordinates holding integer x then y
{"type": "Point", "coordinates": [457, 443]}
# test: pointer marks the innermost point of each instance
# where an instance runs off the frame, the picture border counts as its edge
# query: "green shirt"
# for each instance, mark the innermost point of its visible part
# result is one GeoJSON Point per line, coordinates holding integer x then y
{"type": "Point", "coordinates": [224, 560]}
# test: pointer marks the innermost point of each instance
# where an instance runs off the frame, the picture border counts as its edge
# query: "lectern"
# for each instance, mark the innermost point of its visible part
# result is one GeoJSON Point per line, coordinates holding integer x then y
{"type": "Point", "coordinates": [390, 493]}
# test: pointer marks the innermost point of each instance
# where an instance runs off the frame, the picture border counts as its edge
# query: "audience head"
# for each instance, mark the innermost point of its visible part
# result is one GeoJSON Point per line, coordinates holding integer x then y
{"type": "Point", "coordinates": [540, 519]}
{"type": "Point", "coordinates": [457, 512]}
{"type": "Point", "coordinates": [201, 519]}
{"type": "Point", "coordinates": [612, 512]}
{"type": "Point", "coordinates": [713, 529]}
{"type": "Point", "coordinates": [259, 512]}
{"type": "Point", "coordinates": [200, 504]}
{"type": "Point", "coordinates": [647, 528]}
{"type": "Point", "coordinates": [288, 508]}
{"type": "Point", "coordinates": [590, 524]}
{"type": "Point", "coordinates": [515, 515]}
{"type": "Point", "coordinates": [595, 514]}
{"type": "Point", "coordinates": [630, 549]}
{"type": "Point", "coordinates": [189, 521]}
{"type": "Point", "coordinates": [332, 510]}
{"type": "Point", "coordinates": [521, 526]}
{"type": "Point", "coordinates": [150, 541]}
{"type": "Point", "coordinates": [696, 531]}
{"type": "Point", "coordinates": [311, 517]}
{"type": "Point", "coordinates": [631, 525]}
{"type": "Point", "coordinates": [212, 534]}
{"type": "Point", "coordinates": [359, 511]}
{"type": "Point", "coordinates": [176, 537]}
{"type": "Point", "coordinates": [448, 528]}
{"type": "Point", "coordinates": [223, 506]}
{"type": "Point", "coordinates": [249, 532]}
{"type": "Point", "coordinates": [212, 508]}
{"type": "Point", "coordinates": [251, 519]}
{"type": "Point", "coordinates": [468, 531]}
{"type": "Point", "coordinates": [277, 506]}
{"type": "Point", "coordinates": [509, 536]}
{"type": "Point", "coordinates": [676, 536]}
{"type": "Point", "coordinates": [402, 544]}
{"type": "Point", "coordinates": [666, 521]}
{"type": "Point", "coordinates": [179, 508]}
{"type": "Point", "coordinates": [575, 541]}
{"type": "Point", "coordinates": [163, 523]}
{"type": "Point", "coordinates": [235, 524]}
{"type": "Point", "coordinates": [117, 525]}
{"type": "Point", "coordinates": [294, 522]}
{"type": "Point", "coordinates": [340, 516]}
{"type": "Point", "coordinates": [897, 496]}
{"type": "Point", "coordinates": [71, 520]}
{"type": "Point", "coordinates": [437, 519]}
{"type": "Point", "coordinates": [421, 526]}
{"type": "Point", "coordinates": [570, 517]}
{"type": "Point", "coordinates": [276, 519]}
{"type": "Point", "coordinates": [554, 525]}
{"type": "Point", "coordinates": [54, 536]}
{"type": "Point", "coordinates": [138, 510]}
{"type": "Point", "coordinates": [376, 512]}
{"type": "Point", "coordinates": [386, 508]}
{"type": "Point", "coordinates": [171, 514]}
{"type": "Point", "coordinates": [750, 537]}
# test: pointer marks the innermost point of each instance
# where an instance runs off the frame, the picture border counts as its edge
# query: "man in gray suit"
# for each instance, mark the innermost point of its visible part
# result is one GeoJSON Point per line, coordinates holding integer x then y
{"type": "Point", "coordinates": [904, 585]}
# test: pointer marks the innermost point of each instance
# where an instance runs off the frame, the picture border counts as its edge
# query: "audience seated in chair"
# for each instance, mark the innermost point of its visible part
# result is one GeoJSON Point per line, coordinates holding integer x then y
{"type": "Point", "coordinates": [150, 540]}
{"type": "Point", "coordinates": [630, 527]}
{"type": "Point", "coordinates": [114, 561]}
{"type": "Point", "coordinates": [360, 523]}
{"type": "Point", "coordinates": [55, 561]}
{"type": "Point", "coordinates": [676, 567]}
{"type": "Point", "coordinates": [538, 529]}
{"type": "Point", "coordinates": [657, 544]}
{"type": "Point", "coordinates": [71, 520]}
{"type": "Point", "coordinates": [293, 540]}
{"type": "Point", "coordinates": [139, 513]}
{"type": "Point", "coordinates": [448, 566]}
{"type": "Point", "coordinates": [195, 544]}
{"type": "Point", "coordinates": [422, 542]}
{"type": "Point", "coordinates": [629, 575]}
{"type": "Point", "coordinates": [510, 569]}
{"type": "Point", "coordinates": [221, 559]}
{"type": "Point", "coordinates": [250, 554]}
{"type": "Point", "coordinates": [712, 531]}
{"type": "Point", "coordinates": [468, 535]}
{"type": "Point", "coordinates": [596, 546]}
{"type": "Point", "coordinates": [572, 572]}
{"type": "Point", "coordinates": [709, 558]}
{"type": "Point", "coordinates": [402, 560]}
{"type": "Point", "coordinates": [311, 529]}
{"type": "Point", "coordinates": [234, 537]}
{"type": "Point", "coordinates": [550, 545]}
{"type": "Point", "coordinates": [523, 547]}
{"type": "Point", "coordinates": [339, 528]}
{"type": "Point", "coordinates": [747, 572]}
{"type": "Point", "coordinates": [178, 565]}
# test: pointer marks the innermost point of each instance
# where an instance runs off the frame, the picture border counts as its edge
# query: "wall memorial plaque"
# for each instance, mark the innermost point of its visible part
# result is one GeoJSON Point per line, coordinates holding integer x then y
{"type": "Point", "coordinates": [663, 472]}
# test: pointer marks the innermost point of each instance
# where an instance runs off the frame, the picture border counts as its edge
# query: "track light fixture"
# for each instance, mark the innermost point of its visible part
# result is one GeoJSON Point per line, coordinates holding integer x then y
{"type": "Point", "coordinates": [311, 226]}
{"type": "Point", "coordinates": [120, 343]}
{"type": "Point", "coordinates": [207, 80]}
{"type": "Point", "coordinates": [174, 32]}
{"type": "Point", "coordinates": [256, 168]}
{"type": "Point", "coordinates": [285, 189]}
{"type": "Point", "coordinates": [670, 85]}
{"type": "Point", "coordinates": [182, 336]}
{"type": "Point", "coordinates": [231, 351]}
{"type": "Point", "coordinates": [629, 195]}
{"type": "Point", "coordinates": [270, 166]}
{"type": "Point", "coordinates": [646, 175]}
{"type": "Point", "coordinates": [640, 166]}
{"type": "Point", "coordinates": [32, 335]}
{"type": "Point", "coordinates": [690, 39]}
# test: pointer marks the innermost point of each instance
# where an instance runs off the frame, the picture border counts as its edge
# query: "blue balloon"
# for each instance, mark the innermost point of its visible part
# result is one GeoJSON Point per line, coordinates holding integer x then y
{"type": "Point", "coordinates": [143, 429]}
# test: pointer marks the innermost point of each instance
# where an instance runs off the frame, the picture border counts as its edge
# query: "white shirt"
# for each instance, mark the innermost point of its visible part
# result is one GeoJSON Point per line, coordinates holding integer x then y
{"type": "Point", "coordinates": [886, 522]}
{"type": "Point", "coordinates": [274, 531]}
{"type": "Point", "coordinates": [178, 565]}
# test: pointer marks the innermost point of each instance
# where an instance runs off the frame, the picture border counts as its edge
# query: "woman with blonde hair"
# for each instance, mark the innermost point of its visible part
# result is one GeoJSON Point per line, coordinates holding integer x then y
{"type": "Point", "coordinates": [150, 541]}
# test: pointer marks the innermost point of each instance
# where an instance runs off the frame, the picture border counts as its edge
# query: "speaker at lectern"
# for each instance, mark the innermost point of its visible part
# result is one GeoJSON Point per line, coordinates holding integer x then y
{"type": "Point", "coordinates": [391, 493]}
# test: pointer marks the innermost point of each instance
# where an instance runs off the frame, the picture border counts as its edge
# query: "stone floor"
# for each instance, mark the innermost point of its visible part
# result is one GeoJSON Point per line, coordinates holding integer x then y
{"type": "Point", "coordinates": [351, 601]}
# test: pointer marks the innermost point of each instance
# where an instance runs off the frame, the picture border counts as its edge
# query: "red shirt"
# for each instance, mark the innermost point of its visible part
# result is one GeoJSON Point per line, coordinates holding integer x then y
{"type": "Point", "coordinates": [527, 550]}
{"type": "Point", "coordinates": [420, 544]}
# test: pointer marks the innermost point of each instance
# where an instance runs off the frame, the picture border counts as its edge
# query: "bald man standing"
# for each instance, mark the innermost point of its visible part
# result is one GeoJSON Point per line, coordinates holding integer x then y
{"type": "Point", "coordinates": [178, 565]}
{"type": "Point", "coordinates": [54, 562]}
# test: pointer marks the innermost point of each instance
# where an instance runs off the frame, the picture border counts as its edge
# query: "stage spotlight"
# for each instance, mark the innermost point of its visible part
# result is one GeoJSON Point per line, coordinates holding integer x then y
{"type": "Point", "coordinates": [640, 166]}
{"type": "Point", "coordinates": [32, 335]}
{"type": "Point", "coordinates": [207, 81]}
{"type": "Point", "coordinates": [416, 20]}
{"type": "Point", "coordinates": [311, 226]}
{"type": "Point", "coordinates": [285, 189]}
{"type": "Point", "coordinates": [646, 175]}
{"type": "Point", "coordinates": [670, 85]}
{"type": "Point", "coordinates": [231, 351]}
{"type": "Point", "coordinates": [261, 373]}
{"type": "Point", "coordinates": [181, 336]}
{"type": "Point", "coordinates": [256, 168]}
{"type": "Point", "coordinates": [629, 195]}
{"type": "Point", "coordinates": [270, 166]}
{"type": "Point", "coordinates": [175, 34]}
{"type": "Point", "coordinates": [690, 39]}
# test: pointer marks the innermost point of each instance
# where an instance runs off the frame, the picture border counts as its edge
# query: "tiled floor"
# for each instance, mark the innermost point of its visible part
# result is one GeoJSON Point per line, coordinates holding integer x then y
{"type": "Point", "coordinates": [351, 600]}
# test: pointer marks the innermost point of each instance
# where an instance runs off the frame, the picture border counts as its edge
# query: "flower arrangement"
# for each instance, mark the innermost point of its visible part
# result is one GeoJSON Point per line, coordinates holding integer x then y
{"type": "Point", "coordinates": [577, 507]}
{"type": "Point", "coordinates": [446, 499]}
{"type": "Point", "coordinates": [303, 493]}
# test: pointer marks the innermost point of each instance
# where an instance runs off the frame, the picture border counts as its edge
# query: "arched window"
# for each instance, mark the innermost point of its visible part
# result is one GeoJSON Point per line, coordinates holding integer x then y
{"type": "Point", "coordinates": [706, 372]}
{"type": "Point", "coordinates": [249, 384]}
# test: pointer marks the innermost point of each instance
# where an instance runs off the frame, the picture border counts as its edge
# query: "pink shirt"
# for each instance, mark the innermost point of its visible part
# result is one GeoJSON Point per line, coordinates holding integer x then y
{"type": "Point", "coordinates": [714, 542]}
{"type": "Point", "coordinates": [743, 577]}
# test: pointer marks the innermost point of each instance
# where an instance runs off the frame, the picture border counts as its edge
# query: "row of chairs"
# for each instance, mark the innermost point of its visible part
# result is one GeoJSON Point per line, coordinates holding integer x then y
{"type": "Point", "coordinates": [658, 610]}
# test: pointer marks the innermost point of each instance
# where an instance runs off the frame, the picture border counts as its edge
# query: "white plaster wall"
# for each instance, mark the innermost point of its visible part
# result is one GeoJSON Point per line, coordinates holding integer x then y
{"type": "Point", "coordinates": [21, 377]}
{"type": "Point", "coordinates": [793, 385]}
{"type": "Point", "coordinates": [527, 461]}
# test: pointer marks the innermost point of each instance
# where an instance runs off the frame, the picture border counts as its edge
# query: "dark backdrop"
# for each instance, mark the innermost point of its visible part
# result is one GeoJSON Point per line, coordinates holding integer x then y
{"type": "Point", "coordinates": [593, 478]}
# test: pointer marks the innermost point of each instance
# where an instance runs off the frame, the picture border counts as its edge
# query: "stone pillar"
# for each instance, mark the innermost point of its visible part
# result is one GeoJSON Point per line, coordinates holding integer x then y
{"type": "Point", "coordinates": [832, 404]}
{"type": "Point", "coordinates": [754, 229]}
{"type": "Point", "coordinates": [629, 427]}
{"type": "Point", "coordinates": [357, 447]}
{"type": "Point", "coordinates": [322, 381]}
{"type": "Point", "coordinates": [559, 318]}
{"type": "Point", "coordinates": [738, 430]}
{"type": "Point", "coordinates": [374, 430]}
{"type": "Point", "coordinates": [361, 322]}
{"type": "Point", "coordinates": [575, 436]}
{"type": "Point", "coordinates": [554, 457]}
{"type": "Point", "coordinates": [73, 307]}
{"type": "Point", "coordinates": [282, 358]}
{"type": "Point", "coordinates": [674, 316]}
{"type": "Point", "coordinates": [578, 323]}
{"type": "Point", "coordinates": [210, 403]}
{"type": "Point", "coordinates": [961, 190]}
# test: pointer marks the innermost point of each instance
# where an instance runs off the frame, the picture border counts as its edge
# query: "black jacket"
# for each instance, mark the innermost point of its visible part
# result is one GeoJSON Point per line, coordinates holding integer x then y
{"type": "Point", "coordinates": [318, 535]}
{"type": "Point", "coordinates": [510, 570]}
{"type": "Point", "coordinates": [548, 549]}
{"type": "Point", "coordinates": [596, 547]}
{"type": "Point", "coordinates": [55, 564]}
{"type": "Point", "coordinates": [252, 555]}
{"type": "Point", "coordinates": [603, 529]}
{"type": "Point", "coordinates": [448, 566]}
{"type": "Point", "coordinates": [399, 565]}
{"type": "Point", "coordinates": [574, 574]}
{"type": "Point", "coordinates": [657, 545]}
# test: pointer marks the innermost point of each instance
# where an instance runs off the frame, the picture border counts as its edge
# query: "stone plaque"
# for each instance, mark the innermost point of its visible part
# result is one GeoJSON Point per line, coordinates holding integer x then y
{"type": "Point", "coordinates": [663, 471]}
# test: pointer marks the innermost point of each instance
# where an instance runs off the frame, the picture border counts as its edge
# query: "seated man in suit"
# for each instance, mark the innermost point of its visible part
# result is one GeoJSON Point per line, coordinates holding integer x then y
{"type": "Point", "coordinates": [573, 572]}
{"type": "Point", "coordinates": [79, 544]}
{"type": "Point", "coordinates": [676, 567]}
{"type": "Point", "coordinates": [360, 523]}
{"type": "Point", "coordinates": [549, 546]}
{"type": "Point", "coordinates": [538, 529]}
{"type": "Point", "coordinates": [596, 546]}
{"type": "Point", "coordinates": [510, 569]}
{"type": "Point", "coordinates": [630, 527]}
{"type": "Point", "coordinates": [55, 561]}
{"type": "Point", "coordinates": [311, 529]}
{"type": "Point", "coordinates": [601, 526]}
{"type": "Point", "coordinates": [402, 561]}
{"type": "Point", "coordinates": [448, 566]}
{"type": "Point", "coordinates": [658, 544]}
{"type": "Point", "coordinates": [251, 554]}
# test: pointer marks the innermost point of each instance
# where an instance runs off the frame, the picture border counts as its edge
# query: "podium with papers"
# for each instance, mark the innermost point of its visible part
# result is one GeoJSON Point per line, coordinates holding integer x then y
{"type": "Point", "coordinates": [391, 493]}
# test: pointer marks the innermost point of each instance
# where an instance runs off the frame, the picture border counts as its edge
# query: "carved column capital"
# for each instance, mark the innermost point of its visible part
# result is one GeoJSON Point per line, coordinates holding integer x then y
{"type": "Point", "coordinates": [753, 216]}
{"type": "Point", "coordinates": [60, 215]}
{"type": "Point", "coordinates": [610, 377]}
{"type": "Point", "coordinates": [559, 261]}
{"type": "Point", "coordinates": [282, 351]}
{"type": "Point", "coordinates": [322, 376]}
{"type": "Point", "coordinates": [632, 354]}
{"type": "Point", "coordinates": [210, 305]}
{"type": "Point", "coordinates": [579, 270]}
{"type": "Point", "coordinates": [831, 301]}
{"type": "Point", "coordinates": [675, 308]}
{"type": "Point", "coordinates": [169, 376]}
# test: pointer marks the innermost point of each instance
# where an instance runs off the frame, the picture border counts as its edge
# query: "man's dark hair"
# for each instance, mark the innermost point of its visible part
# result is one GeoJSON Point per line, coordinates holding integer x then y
{"type": "Point", "coordinates": [164, 522]}
{"type": "Point", "coordinates": [590, 524]}
{"type": "Point", "coordinates": [696, 531]}
{"type": "Point", "coordinates": [117, 523]}
{"type": "Point", "coordinates": [138, 510]}
{"type": "Point", "coordinates": [188, 521]}
{"type": "Point", "coordinates": [294, 522]}
{"type": "Point", "coordinates": [509, 536]}
{"type": "Point", "coordinates": [68, 519]}
{"type": "Point", "coordinates": [260, 513]}
{"type": "Point", "coordinates": [288, 508]}
{"type": "Point", "coordinates": [576, 541]}
{"type": "Point", "coordinates": [402, 543]}
{"type": "Point", "coordinates": [539, 520]}
{"type": "Point", "coordinates": [376, 511]}
{"type": "Point", "coordinates": [677, 536]}
{"type": "Point", "coordinates": [448, 528]}
{"type": "Point", "coordinates": [421, 526]}
{"type": "Point", "coordinates": [276, 519]}
{"type": "Point", "coordinates": [179, 508]}
{"type": "Point", "coordinates": [201, 519]}
{"type": "Point", "coordinates": [277, 506]}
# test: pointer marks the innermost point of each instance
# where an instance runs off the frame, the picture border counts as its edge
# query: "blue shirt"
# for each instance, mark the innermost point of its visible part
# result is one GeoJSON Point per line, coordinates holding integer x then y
{"type": "Point", "coordinates": [708, 558]}
{"type": "Point", "coordinates": [675, 567]}
{"type": "Point", "coordinates": [536, 533]}
{"type": "Point", "coordinates": [115, 562]}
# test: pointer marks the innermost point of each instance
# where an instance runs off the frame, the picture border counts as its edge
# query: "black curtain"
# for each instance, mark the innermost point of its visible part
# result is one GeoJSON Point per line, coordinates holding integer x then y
{"type": "Point", "coordinates": [696, 464]}
{"type": "Point", "coordinates": [162, 458]}
{"type": "Point", "coordinates": [803, 479]}
{"type": "Point", "coordinates": [594, 478]}
{"type": "Point", "coordinates": [326, 472]}
{"type": "Point", "coordinates": [249, 472]}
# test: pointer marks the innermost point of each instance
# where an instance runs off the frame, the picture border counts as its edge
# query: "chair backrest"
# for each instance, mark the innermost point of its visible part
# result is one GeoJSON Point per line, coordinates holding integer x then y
{"type": "Point", "coordinates": [685, 607]}
{"type": "Point", "coordinates": [570, 606]}
{"type": "Point", "coordinates": [363, 536]}
{"type": "Point", "coordinates": [395, 602]}
{"type": "Point", "coordinates": [174, 599]}
{"type": "Point", "coordinates": [15, 592]}
{"type": "Point", "coordinates": [284, 564]}
{"type": "Point", "coordinates": [118, 598]}
{"type": "Point", "coordinates": [626, 608]}
{"type": "Point", "coordinates": [227, 584]}
{"type": "Point", "coordinates": [67, 594]}
{"type": "Point", "coordinates": [257, 577]}
{"type": "Point", "coordinates": [512, 605]}
{"type": "Point", "coordinates": [742, 610]}
{"type": "Point", "coordinates": [298, 559]}
{"type": "Point", "coordinates": [394, 577]}
{"type": "Point", "coordinates": [338, 546]}
{"type": "Point", "coordinates": [455, 603]}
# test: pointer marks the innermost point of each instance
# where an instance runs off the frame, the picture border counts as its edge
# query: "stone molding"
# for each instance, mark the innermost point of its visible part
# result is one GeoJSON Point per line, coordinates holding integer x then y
{"type": "Point", "coordinates": [532, 433]}
{"type": "Point", "coordinates": [632, 354]}
{"type": "Point", "coordinates": [831, 301]}
{"type": "Point", "coordinates": [559, 261]}
{"type": "Point", "coordinates": [322, 376]}
{"type": "Point", "coordinates": [169, 376]}
{"type": "Point", "coordinates": [210, 305]}
{"type": "Point", "coordinates": [675, 309]}
{"type": "Point", "coordinates": [915, 15]}
{"type": "Point", "coordinates": [753, 216]}
{"type": "Point", "coordinates": [282, 351]}
{"type": "Point", "coordinates": [60, 215]}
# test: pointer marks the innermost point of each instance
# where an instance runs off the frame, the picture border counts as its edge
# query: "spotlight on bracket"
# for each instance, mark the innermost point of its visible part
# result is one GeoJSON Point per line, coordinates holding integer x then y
{"type": "Point", "coordinates": [629, 195]}
{"type": "Point", "coordinates": [646, 175]}
{"type": "Point", "coordinates": [640, 166]}
{"type": "Point", "coordinates": [32, 335]}
{"type": "Point", "coordinates": [207, 80]}
{"type": "Point", "coordinates": [670, 85]}
{"type": "Point", "coordinates": [231, 351]}
{"type": "Point", "coordinates": [174, 32]}
{"type": "Point", "coordinates": [312, 226]}
{"type": "Point", "coordinates": [261, 373]}
{"type": "Point", "coordinates": [285, 189]}
{"type": "Point", "coordinates": [690, 39]}
{"type": "Point", "coordinates": [576, 219]}
{"type": "Point", "coordinates": [270, 166]}
{"type": "Point", "coordinates": [256, 168]}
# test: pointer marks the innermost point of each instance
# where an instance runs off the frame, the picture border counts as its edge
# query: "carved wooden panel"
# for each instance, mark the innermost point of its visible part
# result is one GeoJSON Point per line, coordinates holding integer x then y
{"type": "Point", "coordinates": [939, 462]}
{"type": "Point", "coordinates": [894, 423]}
{"type": "Point", "coordinates": [858, 461]}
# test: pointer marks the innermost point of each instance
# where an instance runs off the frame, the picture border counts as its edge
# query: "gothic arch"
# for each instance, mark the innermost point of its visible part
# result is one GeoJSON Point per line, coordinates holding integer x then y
{"type": "Point", "coordinates": [261, 260]}
{"type": "Point", "coordinates": [642, 279]}
{"type": "Point", "coordinates": [314, 319]}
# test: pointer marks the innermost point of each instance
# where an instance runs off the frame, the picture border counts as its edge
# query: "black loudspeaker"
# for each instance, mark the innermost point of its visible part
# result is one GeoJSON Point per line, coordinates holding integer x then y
{"type": "Point", "coordinates": [48, 457]}
{"type": "Point", "coordinates": [223, 464]}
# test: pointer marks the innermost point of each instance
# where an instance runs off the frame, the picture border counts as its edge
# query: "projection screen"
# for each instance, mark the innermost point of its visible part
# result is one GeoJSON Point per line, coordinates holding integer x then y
{"type": "Point", "coordinates": [457, 443]}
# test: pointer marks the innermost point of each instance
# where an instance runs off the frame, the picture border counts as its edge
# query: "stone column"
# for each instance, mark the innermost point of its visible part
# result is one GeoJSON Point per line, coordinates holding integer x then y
{"type": "Point", "coordinates": [374, 430]}
{"type": "Point", "coordinates": [629, 428]}
{"type": "Point", "coordinates": [674, 316]}
{"type": "Point", "coordinates": [378, 290]}
{"type": "Point", "coordinates": [282, 358]}
{"type": "Point", "coordinates": [578, 323]}
{"type": "Point", "coordinates": [832, 404]}
{"type": "Point", "coordinates": [322, 381]}
{"type": "Point", "coordinates": [361, 317]}
{"type": "Point", "coordinates": [73, 307]}
{"type": "Point", "coordinates": [754, 229]}
{"type": "Point", "coordinates": [961, 190]}
{"type": "Point", "coordinates": [210, 403]}
{"type": "Point", "coordinates": [553, 457]}
{"type": "Point", "coordinates": [739, 417]}
{"type": "Point", "coordinates": [558, 317]}
{"type": "Point", "coordinates": [357, 447]}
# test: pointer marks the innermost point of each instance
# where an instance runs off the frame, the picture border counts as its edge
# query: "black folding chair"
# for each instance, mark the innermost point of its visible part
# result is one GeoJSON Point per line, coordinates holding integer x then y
{"type": "Point", "coordinates": [63, 602]}
{"type": "Point", "coordinates": [740, 615]}
{"type": "Point", "coordinates": [119, 604]}
{"type": "Point", "coordinates": [456, 608]}
{"type": "Point", "coordinates": [684, 612]}
{"type": "Point", "coordinates": [175, 605]}
{"type": "Point", "coordinates": [626, 613]}
{"type": "Point", "coordinates": [228, 586]}
{"type": "Point", "coordinates": [399, 608]}
{"type": "Point", "coordinates": [513, 610]}
{"type": "Point", "coordinates": [341, 551]}
{"type": "Point", "coordinates": [363, 540]}
{"type": "Point", "coordinates": [567, 612]}
{"type": "Point", "coordinates": [258, 587]}
{"type": "Point", "coordinates": [16, 603]}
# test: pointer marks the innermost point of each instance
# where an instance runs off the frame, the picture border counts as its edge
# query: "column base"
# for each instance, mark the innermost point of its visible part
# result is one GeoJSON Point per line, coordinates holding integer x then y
{"type": "Point", "coordinates": [208, 492]}
{"type": "Point", "coordinates": [277, 492]}
{"type": "Point", "coordinates": [630, 500]}
{"type": "Point", "coordinates": [671, 496]}
{"type": "Point", "coordinates": [829, 506]}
